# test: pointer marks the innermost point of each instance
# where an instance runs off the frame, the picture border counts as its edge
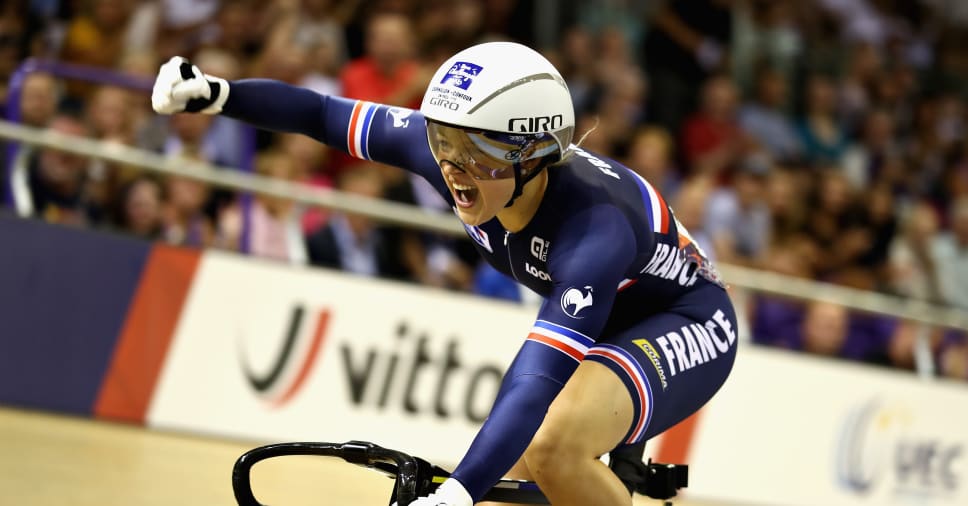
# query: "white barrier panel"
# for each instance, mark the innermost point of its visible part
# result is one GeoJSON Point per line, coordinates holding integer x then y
{"type": "Point", "coordinates": [795, 430]}
{"type": "Point", "coordinates": [273, 353]}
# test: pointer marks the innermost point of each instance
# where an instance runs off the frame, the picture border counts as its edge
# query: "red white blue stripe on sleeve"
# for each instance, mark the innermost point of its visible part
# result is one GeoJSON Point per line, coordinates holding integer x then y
{"type": "Point", "coordinates": [624, 361]}
{"type": "Point", "coordinates": [655, 205]}
{"type": "Point", "coordinates": [357, 136]}
{"type": "Point", "coordinates": [567, 341]}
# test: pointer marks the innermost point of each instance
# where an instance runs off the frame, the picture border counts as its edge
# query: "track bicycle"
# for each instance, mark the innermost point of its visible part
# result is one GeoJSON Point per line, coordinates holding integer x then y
{"type": "Point", "coordinates": [415, 477]}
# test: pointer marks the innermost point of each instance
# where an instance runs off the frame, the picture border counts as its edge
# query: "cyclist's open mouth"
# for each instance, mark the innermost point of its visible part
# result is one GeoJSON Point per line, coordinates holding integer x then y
{"type": "Point", "coordinates": [464, 195]}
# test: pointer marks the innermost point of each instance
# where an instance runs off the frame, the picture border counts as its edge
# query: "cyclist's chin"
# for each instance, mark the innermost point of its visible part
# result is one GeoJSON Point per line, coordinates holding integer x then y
{"type": "Point", "coordinates": [474, 216]}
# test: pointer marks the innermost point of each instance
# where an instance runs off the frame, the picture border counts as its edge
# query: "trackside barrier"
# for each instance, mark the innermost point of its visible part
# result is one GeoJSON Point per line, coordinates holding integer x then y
{"type": "Point", "coordinates": [212, 343]}
{"type": "Point", "coordinates": [752, 281]}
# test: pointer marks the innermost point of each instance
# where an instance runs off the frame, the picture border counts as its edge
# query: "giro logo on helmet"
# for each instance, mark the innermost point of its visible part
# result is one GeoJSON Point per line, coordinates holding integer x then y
{"type": "Point", "coordinates": [536, 124]}
{"type": "Point", "coordinates": [461, 74]}
{"type": "Point", "coordinates": [443, 102]}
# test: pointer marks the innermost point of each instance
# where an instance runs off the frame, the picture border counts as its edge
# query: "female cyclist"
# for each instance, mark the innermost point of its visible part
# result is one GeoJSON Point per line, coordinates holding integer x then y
{"type": "Point", "coordinates": [636, 331]}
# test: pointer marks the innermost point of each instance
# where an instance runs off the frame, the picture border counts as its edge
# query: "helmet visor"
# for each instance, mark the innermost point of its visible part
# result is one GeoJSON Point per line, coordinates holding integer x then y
{"type": "Point", "coordinates": [485, 154]}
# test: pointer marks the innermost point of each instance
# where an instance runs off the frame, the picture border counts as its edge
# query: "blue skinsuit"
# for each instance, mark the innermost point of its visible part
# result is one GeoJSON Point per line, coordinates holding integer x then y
{"type": "Point", "coordinates": [623, 283]}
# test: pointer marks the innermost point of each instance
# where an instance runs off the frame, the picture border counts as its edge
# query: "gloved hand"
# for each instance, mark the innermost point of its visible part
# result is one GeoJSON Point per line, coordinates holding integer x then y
{"type": "Point", "coordinates": [182, 87]}
{"type": "Point", "coordinates": [450, 493]}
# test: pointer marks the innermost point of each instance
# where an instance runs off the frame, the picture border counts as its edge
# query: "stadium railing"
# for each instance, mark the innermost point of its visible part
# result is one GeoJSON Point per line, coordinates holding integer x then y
{"type": "Point", "coordinates": [751, 281]}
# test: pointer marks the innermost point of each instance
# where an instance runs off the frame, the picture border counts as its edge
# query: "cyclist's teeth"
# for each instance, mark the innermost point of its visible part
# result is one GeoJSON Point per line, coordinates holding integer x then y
{"type": "Point", "coordinates": [462, 187]}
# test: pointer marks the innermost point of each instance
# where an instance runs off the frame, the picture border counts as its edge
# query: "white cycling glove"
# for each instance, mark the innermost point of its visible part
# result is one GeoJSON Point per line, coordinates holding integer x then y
{"type": "Point", "coordinates": [182, 87]}
{"type": "Point", "coordinates": [450, 493]}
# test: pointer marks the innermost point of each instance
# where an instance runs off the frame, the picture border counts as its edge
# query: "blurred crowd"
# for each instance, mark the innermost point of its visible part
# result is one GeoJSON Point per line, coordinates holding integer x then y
{"type": "Point", "coordinates": [823, 139]}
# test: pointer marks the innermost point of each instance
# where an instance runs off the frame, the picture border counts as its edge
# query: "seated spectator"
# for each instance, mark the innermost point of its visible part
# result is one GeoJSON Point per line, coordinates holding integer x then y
{"type": "Point", "coordinates": [59, 182]}
{"type": "Point", "coordinates": [765, 120]}
{"type": "Point", "coordinates": [875, 158]}
{"type": "Point", "coordinates": [951, 252]}
{"type": "Point", "coordinates": [274, 224]}
{"type": "Point", "coordinates": [389, 72]}
{"type": "Point", "coordinates": [913, 267]}
{"type": "Point", "coordinates": [40, 93]}
{"type": "Point", "coordinates": [738, 218]}
{"type": "Point", "coordinates": [138, 210]}
{"type": "Point", "coordinates": [824, 329]}
{"type": "Point", "coordinates": [650, 154]}
{"type": "Point", "coordinates": [96, 37]}
{"type": "Point", "coordinates": [354, 243]}
{"type": "Point", "coordinates": [712, 140]}
{"type": "Point", "coordinates": [786, 191]}
{"type": "Point", "coordinates": [690, 205]}
{"type": "Point", "coordinates": [822, 136]}
{"type": "Point", "coordinates": [185, 220]}
{"type": "Point", "coordinates": [310, 160]}
{"type": "Point", "coordinates": [953, 356]}
{"type": "Point", "coordinates": [836, 224]}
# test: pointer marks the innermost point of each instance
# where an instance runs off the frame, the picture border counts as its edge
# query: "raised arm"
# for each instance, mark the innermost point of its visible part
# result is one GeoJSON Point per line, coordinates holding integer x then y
{"type": "Point", "coordinates": [392, 135]}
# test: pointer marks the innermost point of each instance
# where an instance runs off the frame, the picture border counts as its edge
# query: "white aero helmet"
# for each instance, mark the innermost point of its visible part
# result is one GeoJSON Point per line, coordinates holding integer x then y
{"type": "Point", "coordinates": [508, 100]}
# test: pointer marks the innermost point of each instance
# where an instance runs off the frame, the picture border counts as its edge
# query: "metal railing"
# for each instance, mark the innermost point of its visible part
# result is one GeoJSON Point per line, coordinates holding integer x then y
{"type": "Point", "coordinates": [925, 314]}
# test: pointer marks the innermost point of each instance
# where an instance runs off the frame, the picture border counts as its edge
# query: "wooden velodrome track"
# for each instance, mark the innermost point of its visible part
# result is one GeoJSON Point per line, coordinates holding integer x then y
{"type": "Point", "coordinates": [54, 460]}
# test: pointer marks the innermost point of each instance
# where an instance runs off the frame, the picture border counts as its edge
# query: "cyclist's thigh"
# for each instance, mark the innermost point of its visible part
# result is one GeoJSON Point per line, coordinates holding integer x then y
{"type": "Point", "coordinates": [673, 362]}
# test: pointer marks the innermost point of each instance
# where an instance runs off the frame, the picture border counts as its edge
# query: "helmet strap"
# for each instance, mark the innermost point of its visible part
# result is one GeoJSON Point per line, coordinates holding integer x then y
{"type": "Point", "coordinates": [520, 180]}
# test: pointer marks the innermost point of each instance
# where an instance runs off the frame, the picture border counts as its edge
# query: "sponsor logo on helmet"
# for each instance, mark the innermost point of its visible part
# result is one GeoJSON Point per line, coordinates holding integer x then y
{"type": "Point", "coordinates": [536, 124]}
{"type": "Point", "coordinates": [461, 74]}
{"type": "Point", "coordinates": [446, 104]}
{"type": "Point", "coordinates": [574, 300]}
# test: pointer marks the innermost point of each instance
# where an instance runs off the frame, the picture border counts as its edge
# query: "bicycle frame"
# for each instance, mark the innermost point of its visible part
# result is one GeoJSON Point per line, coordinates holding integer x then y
{"type": "Point", "coordinates": [415, 477]}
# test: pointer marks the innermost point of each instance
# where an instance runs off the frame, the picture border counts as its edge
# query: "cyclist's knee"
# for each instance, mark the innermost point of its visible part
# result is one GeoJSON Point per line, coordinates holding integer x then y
{"type": "Point", "coordinates": [547, 453]}
{"type": "Point", "coordinates": [558, 443]}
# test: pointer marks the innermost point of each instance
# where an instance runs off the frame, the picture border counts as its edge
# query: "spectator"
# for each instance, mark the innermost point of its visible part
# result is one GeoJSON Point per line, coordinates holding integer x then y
{"type": "Point", "coordinates": [836, 224]}
{"type": "Point", "coordinates": [824, 329]}
{"type": "Point", "coordinates": [822, 136]}
{"type": "Point", "coordinates": [766, 34]}
{"type": "Point", "coordinates": [354, 243]}
{"type": "Point", "coordinates": [914, 268]}
{"type": "Point", "coordinates": [712, 139]}
{"type": "Point", "coordinates": [785, 190]}
{"type": "Point", "coordinates": [577, 64]}
{"type": "Point", "coordinates": [953, 357]}
{"type": "Point", "coordinates": [650, 154]}
{"type": "Point", "coordinates": [39, 96]}
{"type": "Point", "coordinates": [765, 119]}
{"type": "Point", "coordinates": [185, 220]}
{"type": "Point", "coordinates": [110, 116]}
{"type": "Point", "coordinates": [690, 203]}
{"type": "Point", "coordinates": [952, 256]}
{"type": "Point", "coordinates": [274, 230]}
{"type": "Point", "coordinates": [738, 218]}
{"type": "Point", "coordinates": [876, 157]}
{"type": "Point", "coordinates": [96, 38]}
{"type": "Point", "coordinates": [58, 181]}
{"type": "Point", "coordinates": [685, 46]}
{"type": "Point", "coordinates": [388, 73]}
{"type": "Point", "coordinates": [139, 208]}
